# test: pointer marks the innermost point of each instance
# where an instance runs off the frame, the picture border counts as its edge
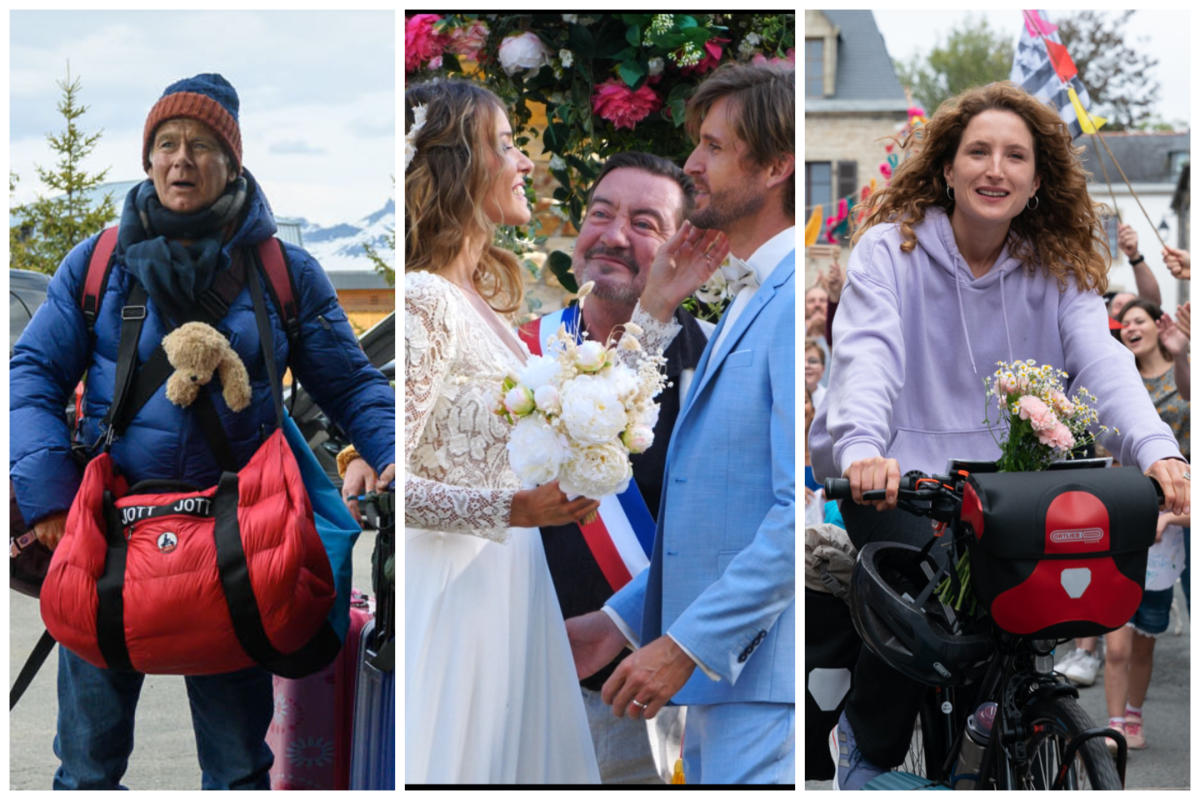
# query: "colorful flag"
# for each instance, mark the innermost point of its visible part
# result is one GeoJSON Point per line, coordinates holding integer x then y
{"type": "Point", "coordinates": [812, 228]}
{"type": "Point", "coordinates": [1036, 26]}
{"type": "Point", "coordinates": [1088, 122]}
{"type": "Point", "coordinates": [1061, 59]}
{"type": "Point", "coordinates": [1036, 70]}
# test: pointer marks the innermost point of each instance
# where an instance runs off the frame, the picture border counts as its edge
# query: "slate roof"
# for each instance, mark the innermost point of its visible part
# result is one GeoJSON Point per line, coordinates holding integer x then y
{"type": "Point", "coordinates": [356, 279]}
{"type": "Point", "coordinates": [866, 78]}
{"type": "Point", "coordinates": [1144, 156]}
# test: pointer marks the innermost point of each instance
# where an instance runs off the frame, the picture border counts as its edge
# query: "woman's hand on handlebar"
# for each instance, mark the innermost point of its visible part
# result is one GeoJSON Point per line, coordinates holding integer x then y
{"type": "Point", "coordinates": [1174, 477]}
{"type": "Point", "coordinates": [547, 505]}
{"type": "Point", "coordinates": [869, 474]}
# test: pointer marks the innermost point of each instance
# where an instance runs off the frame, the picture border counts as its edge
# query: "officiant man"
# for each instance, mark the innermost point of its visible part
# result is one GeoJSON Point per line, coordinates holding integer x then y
{"type": "Point", "coordinates": [713, 617]}
{"type": "Point", "coordinates": [636, 203]}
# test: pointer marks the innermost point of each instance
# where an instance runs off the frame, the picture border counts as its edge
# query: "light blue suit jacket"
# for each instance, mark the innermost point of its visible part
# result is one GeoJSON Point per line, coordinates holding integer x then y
{"type": "Point", "coordinates": [722, 577]}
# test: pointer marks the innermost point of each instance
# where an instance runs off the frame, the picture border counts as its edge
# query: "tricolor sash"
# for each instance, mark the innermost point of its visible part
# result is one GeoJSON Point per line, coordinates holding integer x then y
{"type": "Point", "coordinates": [621, 536]}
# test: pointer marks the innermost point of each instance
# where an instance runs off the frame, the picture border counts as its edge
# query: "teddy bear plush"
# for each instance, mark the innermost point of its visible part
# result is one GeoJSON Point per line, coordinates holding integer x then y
{"type": "Point", "coordinates": [196, 351]}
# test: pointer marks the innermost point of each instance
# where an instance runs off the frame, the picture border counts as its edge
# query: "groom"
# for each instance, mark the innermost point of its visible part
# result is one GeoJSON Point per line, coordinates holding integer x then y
{"type": "Point", "coordinates": [712, 620]}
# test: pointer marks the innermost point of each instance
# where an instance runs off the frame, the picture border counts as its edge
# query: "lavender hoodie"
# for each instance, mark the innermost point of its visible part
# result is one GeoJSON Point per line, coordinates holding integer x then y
{"type": "Point", "coordinates": [916, 335]}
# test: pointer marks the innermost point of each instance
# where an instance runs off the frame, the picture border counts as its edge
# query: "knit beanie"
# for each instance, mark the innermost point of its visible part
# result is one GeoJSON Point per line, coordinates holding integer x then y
{"type": "Point", "coordinates": [207, 97]}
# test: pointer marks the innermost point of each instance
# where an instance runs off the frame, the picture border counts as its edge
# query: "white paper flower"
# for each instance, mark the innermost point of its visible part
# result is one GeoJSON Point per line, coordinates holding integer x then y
{"type": "Point", "coordinates": [547, 399]}
{"type": "Point", "coordinates": [536, 451]}
{"type": "Point", "coordinates": [624, 381]}
{"type": "Point", "coordinates": [566, 57]}
{"type": "Point", "coordinates": [647, 416]}
{"type": "Point", "coordinates": [591, 356]}
{"type": "Point", "coordinates": [655, 66]}
{"type": "Point", "coordinates": [410, 138]}
{"type": "Point", "coordinates": [539, 371]}
{"type": "Point", "coordinates": [638, 438]}
{"type": "Point", "coordinates": [519, 401]}
{"type": "Point", "coordinates": [591, 410]}
{"type": "Point", "coordinates": [523, 51]}
{"type": "Point", "coordinates": [596, 471]}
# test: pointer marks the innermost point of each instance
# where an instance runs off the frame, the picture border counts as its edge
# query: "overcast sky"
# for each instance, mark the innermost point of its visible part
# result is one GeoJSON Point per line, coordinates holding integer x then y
{"type": "Point", "coordinates": [1167, 34]}
{"type": "Point", "coordinates": [317, 92]}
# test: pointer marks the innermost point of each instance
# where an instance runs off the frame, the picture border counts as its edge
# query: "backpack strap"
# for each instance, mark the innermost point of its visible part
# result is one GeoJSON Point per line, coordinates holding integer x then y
{"type": "Point", "coordinates": [37, 657]}
{"type": "Point", "coordinates": [214, 304]}
{"type": "Point", "coordinates": [133, 316]}
{"type": "Point", "coordinates": [96, 279]}
{"type": "Point", "coordinates": [279, 283]}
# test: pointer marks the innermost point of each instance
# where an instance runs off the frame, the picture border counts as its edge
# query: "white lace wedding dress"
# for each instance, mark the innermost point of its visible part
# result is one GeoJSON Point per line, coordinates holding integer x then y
{"type": "Point", "coordinates": [490, 694]}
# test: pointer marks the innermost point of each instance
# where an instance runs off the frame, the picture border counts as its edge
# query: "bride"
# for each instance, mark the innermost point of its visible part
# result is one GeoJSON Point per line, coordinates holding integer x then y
{"type": "Point", "coordinates": [490, 688]}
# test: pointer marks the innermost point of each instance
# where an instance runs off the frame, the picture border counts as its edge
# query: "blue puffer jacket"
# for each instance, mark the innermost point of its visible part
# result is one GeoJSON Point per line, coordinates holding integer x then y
{"type": "Point", "coordinates": [164, 441]}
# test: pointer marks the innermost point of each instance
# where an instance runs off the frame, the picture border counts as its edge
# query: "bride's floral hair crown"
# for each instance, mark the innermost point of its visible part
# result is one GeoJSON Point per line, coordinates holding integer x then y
{"type": "Point", "coordinates": [410, 138]}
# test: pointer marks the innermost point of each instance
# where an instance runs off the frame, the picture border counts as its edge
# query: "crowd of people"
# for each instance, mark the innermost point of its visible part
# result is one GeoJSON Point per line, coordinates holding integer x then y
{"type": "Point", "coordinates": [984, 247]}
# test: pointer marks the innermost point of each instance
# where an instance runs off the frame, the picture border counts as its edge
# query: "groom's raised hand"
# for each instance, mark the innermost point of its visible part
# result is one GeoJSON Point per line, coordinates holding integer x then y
{"type": "Point", "coordinates": [595, 641]}
{"type": "Point", "coordinates": [681, 264]}
{"type": "Point", "coordinates": [644, 682]}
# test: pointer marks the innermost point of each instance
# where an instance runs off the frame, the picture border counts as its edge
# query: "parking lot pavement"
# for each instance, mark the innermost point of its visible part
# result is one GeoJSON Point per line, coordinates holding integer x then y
{"type": "Point", "coordinates": [164, 755]}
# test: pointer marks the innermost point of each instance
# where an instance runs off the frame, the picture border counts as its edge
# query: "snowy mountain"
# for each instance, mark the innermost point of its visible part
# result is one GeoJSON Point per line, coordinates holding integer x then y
{"type": "Point", "coordinates": [339, 247]}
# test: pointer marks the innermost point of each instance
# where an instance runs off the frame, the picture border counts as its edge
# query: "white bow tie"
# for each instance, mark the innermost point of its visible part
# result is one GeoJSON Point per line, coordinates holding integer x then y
{"type": "Point", "coordinates": [739, 275]}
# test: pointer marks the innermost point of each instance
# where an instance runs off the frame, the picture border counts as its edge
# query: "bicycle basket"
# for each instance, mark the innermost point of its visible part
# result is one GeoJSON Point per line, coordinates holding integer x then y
{"type": "Point", "coordinates": [1060, 554]}
{"type": "Point", "coordinates": [895, 610]}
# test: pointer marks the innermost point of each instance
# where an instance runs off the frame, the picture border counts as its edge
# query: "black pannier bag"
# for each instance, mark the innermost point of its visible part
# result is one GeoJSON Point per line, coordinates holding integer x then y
{"type": "Point", "coordinates": [1060, 554]}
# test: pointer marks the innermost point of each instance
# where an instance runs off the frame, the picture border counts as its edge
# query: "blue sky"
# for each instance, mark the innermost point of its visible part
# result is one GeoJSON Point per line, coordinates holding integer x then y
{"type": "Point", "coordinates": [317, 91]}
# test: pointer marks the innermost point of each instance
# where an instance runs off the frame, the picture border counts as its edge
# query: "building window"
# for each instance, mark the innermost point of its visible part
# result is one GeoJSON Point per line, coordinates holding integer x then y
{"type": "Point", "coordinates": [814, 67]}
{"type": "Point", "coordinates": [818, 186]}
{"type": "Point", "coordinates": [847, 180]}
{"type": "Point", "coordinates": [1177, 159]}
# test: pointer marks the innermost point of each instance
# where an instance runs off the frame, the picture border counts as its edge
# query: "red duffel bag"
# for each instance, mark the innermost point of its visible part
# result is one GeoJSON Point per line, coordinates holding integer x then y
{"type": "Point", "coordinates": [194, 583]}
{"type": "Point", "coordinates": [157, 579]}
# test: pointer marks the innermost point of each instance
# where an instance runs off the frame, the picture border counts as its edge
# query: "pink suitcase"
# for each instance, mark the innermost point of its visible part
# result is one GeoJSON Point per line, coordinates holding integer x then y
{"type": "Point", "coordinates": [310, 732]}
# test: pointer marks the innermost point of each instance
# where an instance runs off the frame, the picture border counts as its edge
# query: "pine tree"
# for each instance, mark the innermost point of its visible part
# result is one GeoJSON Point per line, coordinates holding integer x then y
{"type": "Point", "coordinates": [381, 265]}
{"type": "Point", "coordinates": [43, 231]}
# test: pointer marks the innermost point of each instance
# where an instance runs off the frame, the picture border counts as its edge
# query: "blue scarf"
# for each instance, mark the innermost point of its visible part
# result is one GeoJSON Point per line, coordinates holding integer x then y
{"type": "Point", "coordinates": [176, 275]}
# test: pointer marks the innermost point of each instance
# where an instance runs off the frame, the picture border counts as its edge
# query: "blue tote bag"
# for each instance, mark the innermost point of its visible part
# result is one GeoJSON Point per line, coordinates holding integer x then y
{"type": "Point", "coordinates": [337, 528]}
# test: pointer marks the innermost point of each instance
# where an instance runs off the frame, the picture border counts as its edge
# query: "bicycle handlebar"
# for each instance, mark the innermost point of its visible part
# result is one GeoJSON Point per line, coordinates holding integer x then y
{"type": "Point", "coordinates": [911, 489]}
{"type": "Point", "coordinates": [839, 488]}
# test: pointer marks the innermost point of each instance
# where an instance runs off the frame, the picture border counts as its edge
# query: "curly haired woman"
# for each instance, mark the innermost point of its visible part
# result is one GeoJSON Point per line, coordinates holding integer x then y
{"type": "Point", "coordinates": [985, 247]}
{"type": "Point", "coordinates": [490, 688]}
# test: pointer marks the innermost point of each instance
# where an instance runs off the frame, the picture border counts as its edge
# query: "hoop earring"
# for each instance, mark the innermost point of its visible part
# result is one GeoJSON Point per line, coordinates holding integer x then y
{"type": "Point", "coordinates": [949, 193]}
{"type": "Point", "coordinates": [1037, 201]}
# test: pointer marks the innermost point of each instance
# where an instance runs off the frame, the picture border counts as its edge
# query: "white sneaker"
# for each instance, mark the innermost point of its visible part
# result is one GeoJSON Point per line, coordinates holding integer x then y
{"type": "Point", "coordinates": [1082, 671]}
{"type": "Point", "coordinates": [1067, 660]}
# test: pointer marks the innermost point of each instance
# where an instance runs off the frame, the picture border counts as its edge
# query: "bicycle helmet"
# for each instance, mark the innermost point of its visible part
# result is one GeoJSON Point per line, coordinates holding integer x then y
{"type": "Point", "coordinates": [898, 615]}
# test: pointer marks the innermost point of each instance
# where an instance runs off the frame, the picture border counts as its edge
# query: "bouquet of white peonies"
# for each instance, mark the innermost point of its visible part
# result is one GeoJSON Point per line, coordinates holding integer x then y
{"type": "Point", "coordinates": [580, 410]}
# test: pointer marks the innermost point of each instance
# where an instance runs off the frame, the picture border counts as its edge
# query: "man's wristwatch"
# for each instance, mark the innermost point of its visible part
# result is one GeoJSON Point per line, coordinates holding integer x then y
{"type": "Point", "coordinates": [1139, 258]}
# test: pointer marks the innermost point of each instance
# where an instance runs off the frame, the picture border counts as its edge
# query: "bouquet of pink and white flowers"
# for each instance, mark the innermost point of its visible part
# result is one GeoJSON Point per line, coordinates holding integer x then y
{"type": "Point", "coordinates": [1043, 424]}
{"type": "Point", "coordinates": [580, 410]}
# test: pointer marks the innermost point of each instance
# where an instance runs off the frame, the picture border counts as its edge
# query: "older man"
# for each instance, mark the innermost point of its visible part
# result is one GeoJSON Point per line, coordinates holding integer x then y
{"type": "Point", "coordinates": [637, 202]}
{"type": "Point", "coordinates": [179, 233]}
{"type": "Point", "coordinates": [719, 593]}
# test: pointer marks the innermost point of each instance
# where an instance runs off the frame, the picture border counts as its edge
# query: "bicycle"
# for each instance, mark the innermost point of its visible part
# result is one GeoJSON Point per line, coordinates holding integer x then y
{"type": "Point", "coordinates": [1040, 737]}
